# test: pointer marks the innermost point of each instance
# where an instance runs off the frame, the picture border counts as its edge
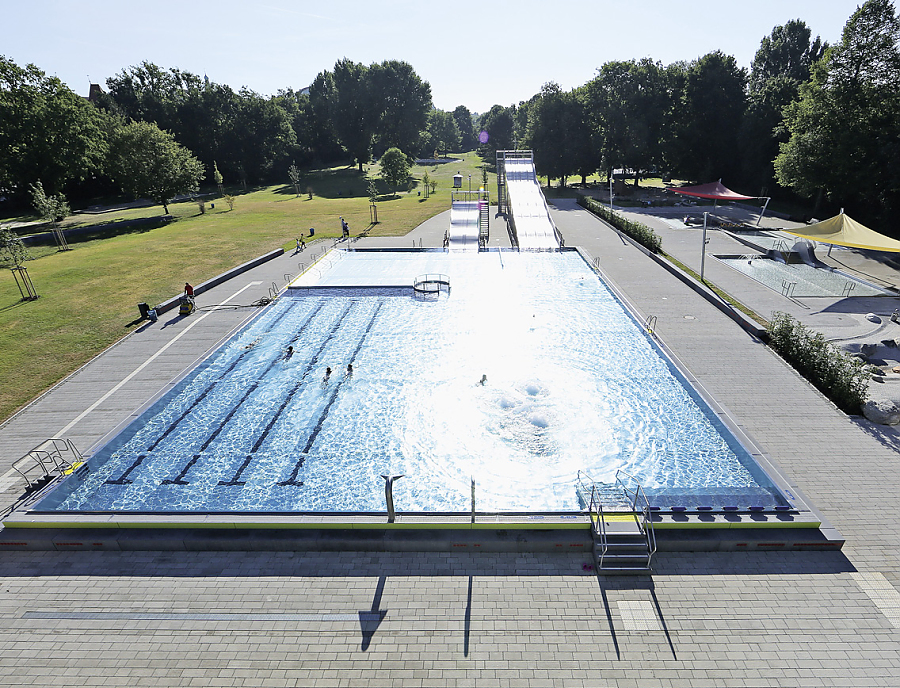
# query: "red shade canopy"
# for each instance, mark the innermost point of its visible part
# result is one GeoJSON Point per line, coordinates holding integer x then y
{"type": "Point", "coordinates": [714, 191]}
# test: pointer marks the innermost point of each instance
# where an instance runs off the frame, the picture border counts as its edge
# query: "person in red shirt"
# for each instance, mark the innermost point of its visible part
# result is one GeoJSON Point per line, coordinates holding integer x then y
{"type": "Point", "coordinates": [188, 290]}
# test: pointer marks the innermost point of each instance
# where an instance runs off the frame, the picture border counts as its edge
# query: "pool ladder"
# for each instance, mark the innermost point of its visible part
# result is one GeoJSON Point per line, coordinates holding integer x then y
{"type": "Point", "coordinates": [623, 535]}
{"type": "Point", "coordinates": [650, 324]}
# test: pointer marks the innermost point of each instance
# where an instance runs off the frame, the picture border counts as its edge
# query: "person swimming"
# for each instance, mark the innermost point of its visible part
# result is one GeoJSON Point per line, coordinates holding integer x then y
{"type": "Point", "coordinates": [349, 370]}
{"type": "Point", "coordinates": [327, 375]}
{"type": "Point", "coordinates": [289, 352]}
{"type": "Point", "coordinates": [483, 380]}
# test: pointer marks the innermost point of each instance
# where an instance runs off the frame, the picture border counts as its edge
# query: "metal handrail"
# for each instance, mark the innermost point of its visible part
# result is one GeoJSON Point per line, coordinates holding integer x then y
{"type": "Point", "coordinates": [600, 526]}
{"type": "Point", "coordinates": [640, 498]}
{"type": "Point", "coordinates": [650, 323]}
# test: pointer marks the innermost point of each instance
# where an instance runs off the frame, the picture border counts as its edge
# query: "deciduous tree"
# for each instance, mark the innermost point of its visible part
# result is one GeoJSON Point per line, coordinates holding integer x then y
{"type": "Point", "coordinates": [394, 167]}
{"type": "Point", "coordinates": [147, 162]}
{"type": "Point", "coordinates": [845, 127]}
{"type": "Point", "coordinates": [47, 132]}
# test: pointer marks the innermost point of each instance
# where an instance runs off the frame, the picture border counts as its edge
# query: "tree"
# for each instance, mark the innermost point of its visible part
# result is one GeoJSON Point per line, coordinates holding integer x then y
{"type": "Point", "coordinates": [294, 176]}
{"type": "Point", "coordinates": [499, 125]}
{"type": "Point", "coordinates": [218, 178]}
{"type": "Point", "coordinates": [442, 134]}
{"type": "Point", "coordinates": [780, 66]}
{"type": "Point", "coordinates": [47, 132]}
{"type": "Point", "coordinates": [709, 105]}
{"type": "Point", "coordinates": [147, 162]}
{"type": "Point", "coordinates": [628, 106]}
{"type": "Point", "coordinates": [558, 133]}
{"type": "Point", "coordinates": [343, 97]}
{"type": "Point", "coordinates": [49, 208]}
{"type": "Point", "coordinates": [845, 126]}
{"type": "Point", "coordinates": [394, 167]}
{"type": "Point", "coordinates": [259, 138]}
{"type": "Point", "coordinates": [402, 102]}
{"type": "Point", "coordinates": [463, 119]}
{"type": "Point", "coordinates": [12, 248]}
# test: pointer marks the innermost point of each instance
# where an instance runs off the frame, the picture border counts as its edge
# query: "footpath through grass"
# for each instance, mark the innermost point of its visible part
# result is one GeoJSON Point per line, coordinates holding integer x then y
{"type": "Point", "coordinates": [89, 295]}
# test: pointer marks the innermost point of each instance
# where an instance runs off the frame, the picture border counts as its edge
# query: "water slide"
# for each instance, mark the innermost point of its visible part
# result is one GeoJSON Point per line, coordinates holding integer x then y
{"type": "Point", "coordinates": [807, 253]}
{"type": "Point", "coordinates": [463, 233]}
{"type": "Point", "coordinates": [534, 227]}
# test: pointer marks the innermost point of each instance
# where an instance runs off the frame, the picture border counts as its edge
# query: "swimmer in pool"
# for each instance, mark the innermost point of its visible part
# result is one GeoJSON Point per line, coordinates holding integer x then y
{"type": "Point", "coordinates": [483, 380]}
{"type": "Point", "coordinates": [349, 370]}
{"type": "Point", "coordinates": [327, 376]}
{"type": "Point", "coordinates": [251, 344]}
{"type": "Point", "coordinates": [289, 352]}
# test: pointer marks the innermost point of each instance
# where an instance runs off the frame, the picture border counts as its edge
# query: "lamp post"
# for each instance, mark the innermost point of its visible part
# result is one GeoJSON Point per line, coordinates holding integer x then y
{"type": "Point", "coordinates": [470, 183]}
{"type": "Point", "coordinates": [703, 248]}
{"type": "Point", "coordinates": [610, 191]}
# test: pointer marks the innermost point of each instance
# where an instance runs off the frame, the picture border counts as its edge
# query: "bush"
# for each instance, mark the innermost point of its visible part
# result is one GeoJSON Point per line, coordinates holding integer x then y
{"type": "Point", "coordinates": [639, 232]}
{"type": "Point", "coordinates": [841, 378]}
{"type": "Point", "coordinates": [50, 208]}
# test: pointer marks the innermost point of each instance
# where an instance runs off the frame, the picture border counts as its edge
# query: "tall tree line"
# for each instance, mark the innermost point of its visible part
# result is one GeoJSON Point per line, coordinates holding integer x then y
{"type": "Point", "coordinates": [50, 134]}
{"type": "Point", "coordinates": [819, 121]}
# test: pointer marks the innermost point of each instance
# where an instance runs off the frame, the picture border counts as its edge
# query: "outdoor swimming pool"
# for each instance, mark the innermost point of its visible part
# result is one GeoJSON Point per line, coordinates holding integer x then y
{"type": "Point", "coordinates": [799, 279]}
{"type": "Point", "coordinates": [572, 384]}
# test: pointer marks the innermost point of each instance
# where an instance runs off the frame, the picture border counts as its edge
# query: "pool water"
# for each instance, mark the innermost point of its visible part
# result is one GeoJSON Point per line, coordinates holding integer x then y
{"type": "Point", "coordinates": [572, 384]}
{"type": "Point", "coordinates": [806, 280]}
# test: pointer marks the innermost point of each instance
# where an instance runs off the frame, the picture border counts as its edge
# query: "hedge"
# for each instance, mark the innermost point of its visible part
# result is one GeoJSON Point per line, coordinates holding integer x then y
{"type": "Point", "coordinates": [637, 231]}
{"type": "Point", "coordinates": [842, 379]}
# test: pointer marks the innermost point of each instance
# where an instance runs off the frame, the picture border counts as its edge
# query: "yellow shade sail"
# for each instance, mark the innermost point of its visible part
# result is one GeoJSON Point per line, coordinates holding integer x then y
{"type": "Point", "coordinates": [842, 230]}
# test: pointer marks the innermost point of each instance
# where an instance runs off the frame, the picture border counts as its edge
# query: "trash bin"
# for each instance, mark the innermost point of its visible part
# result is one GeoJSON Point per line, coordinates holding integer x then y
{"type": "Point", "coordinates": [144, 308]}
{"type": "Point", "coordinates": [312, 231]}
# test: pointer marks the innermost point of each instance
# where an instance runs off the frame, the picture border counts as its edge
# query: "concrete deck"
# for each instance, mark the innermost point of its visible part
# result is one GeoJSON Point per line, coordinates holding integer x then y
{"type": "Point", "coordinates": [466, 618]}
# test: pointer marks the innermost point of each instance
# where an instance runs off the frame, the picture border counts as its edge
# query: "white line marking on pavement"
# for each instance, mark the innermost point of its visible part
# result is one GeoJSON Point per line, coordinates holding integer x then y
{"type": "Point", "coordinates": [146, 363]}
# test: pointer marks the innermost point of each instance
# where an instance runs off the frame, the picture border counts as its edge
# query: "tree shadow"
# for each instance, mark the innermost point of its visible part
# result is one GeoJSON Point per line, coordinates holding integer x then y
{"type": "Point", "coordinates": [345, 182]}
{"type": "Point", "coordinates": [887, 435]}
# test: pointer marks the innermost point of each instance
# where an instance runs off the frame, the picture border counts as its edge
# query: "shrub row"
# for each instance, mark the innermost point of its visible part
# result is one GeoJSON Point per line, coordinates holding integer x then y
{"type": "Point", "coordinates": [637, 231]}
{"type": "Point", "coordinates": [841, 378]}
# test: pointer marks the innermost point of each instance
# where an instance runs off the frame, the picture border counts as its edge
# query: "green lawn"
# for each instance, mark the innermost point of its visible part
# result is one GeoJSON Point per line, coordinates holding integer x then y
{"type": "Point", "coordinates": [89, 295]}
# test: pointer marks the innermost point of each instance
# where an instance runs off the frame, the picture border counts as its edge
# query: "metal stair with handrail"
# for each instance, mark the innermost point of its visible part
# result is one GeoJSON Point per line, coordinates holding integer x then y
{"type": "Point", "coordinates": [624, 541]}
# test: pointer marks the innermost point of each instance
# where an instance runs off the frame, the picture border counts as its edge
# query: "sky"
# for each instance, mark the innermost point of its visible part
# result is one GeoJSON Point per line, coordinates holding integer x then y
{"type": "Point", "coordinates": [477, 54]}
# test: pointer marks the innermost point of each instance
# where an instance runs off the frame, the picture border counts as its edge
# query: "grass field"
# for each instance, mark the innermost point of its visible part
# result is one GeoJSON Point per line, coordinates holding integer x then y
{"type": "Point", "coordinates": [89, 295]}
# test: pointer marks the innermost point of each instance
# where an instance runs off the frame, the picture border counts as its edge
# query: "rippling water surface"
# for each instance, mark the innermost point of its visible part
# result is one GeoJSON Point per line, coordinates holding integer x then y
{"type": "Point", "coordinates": [572, 383]}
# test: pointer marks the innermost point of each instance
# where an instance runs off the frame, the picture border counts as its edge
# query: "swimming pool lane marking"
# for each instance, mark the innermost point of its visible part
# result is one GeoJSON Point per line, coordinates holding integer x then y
{"type": "Point", "coordinates": [123, 479]}
{"type": "Point", "coordinates": [213, 383]}
{"type": "Point", "coordinates": [150, 360]}
{"type": "Point", "coordinates": [179, 479]}
{"type": "Point", "coordinates": [287, 399]}
{"type": "Point", "coordinates": [315, 433]}
{"type": "Point", "coordinates": [309, 366]}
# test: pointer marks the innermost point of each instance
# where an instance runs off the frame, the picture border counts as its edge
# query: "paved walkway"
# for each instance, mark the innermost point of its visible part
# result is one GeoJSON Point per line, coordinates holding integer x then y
{"type": "Point", "coordinates": [456, 619]}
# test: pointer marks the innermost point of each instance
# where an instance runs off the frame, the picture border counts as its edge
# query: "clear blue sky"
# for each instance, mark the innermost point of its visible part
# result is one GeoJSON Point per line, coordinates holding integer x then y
{"type": "Point", "coordinates": [473, 54]}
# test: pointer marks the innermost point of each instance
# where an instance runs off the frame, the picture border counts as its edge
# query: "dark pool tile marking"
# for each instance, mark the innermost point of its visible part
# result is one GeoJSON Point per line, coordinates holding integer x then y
{"type": "Point", "coordinates": [292, 480]}
{"type": "Point", "coordinates": [179, 479]}
{"type": "Point", "coordinates": [123, 479]}
{"type": "Point", "coordinates": [236, 480]}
